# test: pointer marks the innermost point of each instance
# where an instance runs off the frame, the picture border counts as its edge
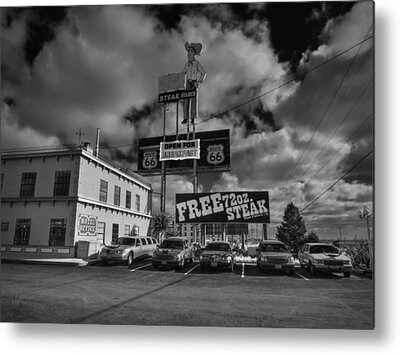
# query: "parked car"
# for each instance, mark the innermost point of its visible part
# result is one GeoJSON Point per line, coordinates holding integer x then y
{"type": "Point", "coordinates": [217, 255]}
{"type": "Point", "coordinates": [128, 249]}
{"type": "Point", "coordinates": [173, 251]}
{"type": "Point", "coordinates": [274, 255]}
{"type": "Point", "coordinates": [324, 257]}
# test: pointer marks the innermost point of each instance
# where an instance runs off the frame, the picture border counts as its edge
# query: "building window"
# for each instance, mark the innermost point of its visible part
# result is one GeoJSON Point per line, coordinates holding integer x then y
{"type": "Point", "coordinates": [128, 198]}
{"type": "Point", "coordinates": [117, 195]}
{"type": "Point", "coordinates": [61, 183]}
{"type": "Point", "coordinates": [135, 230]}
{"type": "Point", "coordinates": [4, 226]}
{"type": "Point", "coordinates": [137, 202]}
{"type": "Point", "coordinates": [101, 231]}
{"type": "Point", "coordinates": [28, 182]}
{"type": "Point", "coordinates": [127, 229]}
{"type": "Point", "coordinates": [115, 232]}
{"type": "Point", "coordinates": [103, 191]}
{"type": "Point", "coordinates": [58, 228]}
{"type": "Point", "coordinates": [22, 231]}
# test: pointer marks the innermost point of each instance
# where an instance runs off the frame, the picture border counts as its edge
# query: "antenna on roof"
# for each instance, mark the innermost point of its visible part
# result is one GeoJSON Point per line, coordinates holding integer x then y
{"type": "Point", "coordinates": [80, 134]}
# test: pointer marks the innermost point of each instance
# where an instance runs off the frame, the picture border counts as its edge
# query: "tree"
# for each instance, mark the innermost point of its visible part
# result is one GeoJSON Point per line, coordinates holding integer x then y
{"type": "Point", "coordinates": [160, 223]}
{"type": "Point", "coordinates": [292, 230]}
{"type": "Point", "coordinates": [311, 237]}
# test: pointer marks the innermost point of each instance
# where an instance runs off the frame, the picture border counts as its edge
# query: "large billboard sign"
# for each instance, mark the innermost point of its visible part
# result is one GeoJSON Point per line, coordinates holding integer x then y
{"type": "Point", "coordinates": [223, 207]}
{"type": "Point", "coordinates": [214, 154]}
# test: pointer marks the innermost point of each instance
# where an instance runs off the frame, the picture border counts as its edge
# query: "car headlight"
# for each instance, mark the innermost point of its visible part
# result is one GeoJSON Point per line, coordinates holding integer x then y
{"type": "Point", "coordinates": [319, 261]}
{"type": "Point", "coordinates": [346, 262]}
{"type": "Point", "coordinates": [291, 259]}
{"type": "Point", "coordinates": [177, 256]}
{"type": "Point", "coordinates": [205, 257]}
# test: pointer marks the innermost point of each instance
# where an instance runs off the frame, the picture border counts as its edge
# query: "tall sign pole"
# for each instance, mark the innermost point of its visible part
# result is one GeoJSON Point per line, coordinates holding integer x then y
{"type": "Point", "coordinates": [163, 173]}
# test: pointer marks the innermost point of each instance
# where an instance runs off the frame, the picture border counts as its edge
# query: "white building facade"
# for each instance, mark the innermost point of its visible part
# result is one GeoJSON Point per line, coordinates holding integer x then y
{"type": "Point", "coordinates": [62, 200]}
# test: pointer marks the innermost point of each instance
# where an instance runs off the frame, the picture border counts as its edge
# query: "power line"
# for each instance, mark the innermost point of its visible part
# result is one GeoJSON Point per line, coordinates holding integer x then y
{"type": "Point", "coordinates": [347, 141]}
{"type": "Point", "coordinates": [328, 106]}
{"type": "Point", "coordinates": [348, 172]}
{"type": "Point", "coordinates": [338, 127]}
{"type": "Point", "coordinates": [263, 94]}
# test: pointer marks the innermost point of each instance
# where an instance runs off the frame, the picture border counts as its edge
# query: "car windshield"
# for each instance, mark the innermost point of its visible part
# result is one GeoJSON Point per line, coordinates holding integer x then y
{"type": "Point", "coordinates": [172, 244]}
{"type": "Point", "coordinates": [327, 249]}
{"type": "Point", "coordinates": [217, 247]}
{"type": "Point", "coordinates": [273, 247]}
{"type": "Point", "coordinates": [125, 241]}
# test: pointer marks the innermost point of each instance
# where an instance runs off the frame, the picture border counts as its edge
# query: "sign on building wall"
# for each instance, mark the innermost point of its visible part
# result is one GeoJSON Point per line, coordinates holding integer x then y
{"type": "Point", "coordinates": [180, 150]}
{"type": "Point", "coordinates": [214, 154]}
{"type": "Point", "coordinates": [223, 207]}
{"type": "Point", "coordinates": [87, 225]}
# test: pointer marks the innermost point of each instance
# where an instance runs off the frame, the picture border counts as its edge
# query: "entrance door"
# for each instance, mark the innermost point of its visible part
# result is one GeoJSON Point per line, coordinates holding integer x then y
{"type": "Point", "coordinates": [58, 228]}
{"type": "Point", "coordinates": [22, 231]}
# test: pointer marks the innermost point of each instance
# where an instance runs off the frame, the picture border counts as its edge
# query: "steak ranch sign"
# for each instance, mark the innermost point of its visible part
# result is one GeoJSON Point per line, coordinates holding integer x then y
{"type": "Point", "coordinates": [223, 207]}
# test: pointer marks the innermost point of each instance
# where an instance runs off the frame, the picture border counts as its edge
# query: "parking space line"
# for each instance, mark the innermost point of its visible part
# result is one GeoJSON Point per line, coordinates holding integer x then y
{"type": "Point", "coordinates": [303, 277]}
{"type": "Point", "coordinates": [186, 273]}
{"type": "Point", "coordinates": [140, 267]}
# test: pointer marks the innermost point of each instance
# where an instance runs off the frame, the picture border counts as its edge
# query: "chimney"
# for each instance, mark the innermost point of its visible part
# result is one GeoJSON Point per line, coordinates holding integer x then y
{"type": "Point", "coordinates": [97, 143]}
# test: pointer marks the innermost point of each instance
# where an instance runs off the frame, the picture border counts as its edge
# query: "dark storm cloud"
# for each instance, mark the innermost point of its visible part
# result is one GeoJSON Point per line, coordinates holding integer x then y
{"type": "Point", "coordinates": [296, 27]}
{"type": "Point", "coordinates": [363, 173]}
{"type": "Point", "coordinates": [259, 120]}
{"type": "Point", "coordinates": [41, 25]}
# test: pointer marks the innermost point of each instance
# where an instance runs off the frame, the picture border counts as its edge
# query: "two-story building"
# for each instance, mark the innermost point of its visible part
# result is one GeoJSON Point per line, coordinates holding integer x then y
{"type": "Point", "coordinates": [57, 201]}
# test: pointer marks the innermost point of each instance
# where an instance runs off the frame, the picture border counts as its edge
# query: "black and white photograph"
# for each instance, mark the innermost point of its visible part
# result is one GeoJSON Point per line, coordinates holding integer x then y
{"type": "Point", "coordinates": [201, 165]}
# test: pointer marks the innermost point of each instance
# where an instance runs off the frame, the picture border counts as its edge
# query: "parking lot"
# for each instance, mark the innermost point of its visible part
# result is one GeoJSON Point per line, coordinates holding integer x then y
{"type": "Point", "coordinates": [117, 294]}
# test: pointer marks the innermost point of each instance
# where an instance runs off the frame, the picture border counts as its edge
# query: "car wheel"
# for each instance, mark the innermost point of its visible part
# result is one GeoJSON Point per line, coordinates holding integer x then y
{"type": "Point", "coordinates": [346, 274]}
{"type": "Point", "coordinates": [130, 259]}
{"type": "Point", "coordinates": [312, 269]}
{"type": "Point", "coordinates": [232, 266]}
{"type": "Point", "coordinates": [155, 266]}
{"type": "Point", "coordinates": [104, 262]}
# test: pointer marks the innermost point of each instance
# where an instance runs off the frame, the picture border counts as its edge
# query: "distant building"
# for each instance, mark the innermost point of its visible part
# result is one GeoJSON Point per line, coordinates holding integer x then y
{"type": "Point", "coordinates": [66, 200]}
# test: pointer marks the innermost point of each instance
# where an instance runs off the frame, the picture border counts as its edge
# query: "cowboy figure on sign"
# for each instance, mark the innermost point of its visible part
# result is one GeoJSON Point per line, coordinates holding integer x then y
{"type": "Point", "coordinates": [195, 75]}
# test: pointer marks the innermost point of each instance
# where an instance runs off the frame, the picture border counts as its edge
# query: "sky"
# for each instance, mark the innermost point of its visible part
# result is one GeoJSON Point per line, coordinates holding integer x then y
{"type": "Point", "coordinates": [293, 82]}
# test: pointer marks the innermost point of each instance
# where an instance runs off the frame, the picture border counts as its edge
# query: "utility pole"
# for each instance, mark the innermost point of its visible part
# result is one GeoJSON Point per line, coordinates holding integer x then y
{"type": "Point", "coordinates": [366, 214]}
{"type": "Point", "coordinates": [340, 226]}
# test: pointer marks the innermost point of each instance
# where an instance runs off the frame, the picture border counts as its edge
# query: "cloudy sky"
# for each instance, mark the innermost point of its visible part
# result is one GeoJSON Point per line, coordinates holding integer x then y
{"type": "Point", "coordinates": [292, 82]}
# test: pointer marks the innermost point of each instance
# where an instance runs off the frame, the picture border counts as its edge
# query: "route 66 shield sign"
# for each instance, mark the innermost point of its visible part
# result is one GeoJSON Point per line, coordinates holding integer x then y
{"type": "Point", "coordinates": [215, 154]}
{"type": "Point", "coordinates": [150, 160]}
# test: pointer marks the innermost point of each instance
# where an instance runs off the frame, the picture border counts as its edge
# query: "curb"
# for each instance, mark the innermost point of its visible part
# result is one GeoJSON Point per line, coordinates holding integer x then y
{"type": "Point", "coordinates": [45, 262]}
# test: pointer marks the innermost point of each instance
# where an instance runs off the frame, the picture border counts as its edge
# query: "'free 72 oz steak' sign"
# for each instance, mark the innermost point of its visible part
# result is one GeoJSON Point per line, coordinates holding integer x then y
{"type": "Point", "coordinates": [223, 207]}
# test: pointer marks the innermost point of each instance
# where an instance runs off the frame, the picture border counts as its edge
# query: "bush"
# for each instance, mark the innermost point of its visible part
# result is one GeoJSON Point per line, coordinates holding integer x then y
{"type": "Point", "coordinates": [359, 253]}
